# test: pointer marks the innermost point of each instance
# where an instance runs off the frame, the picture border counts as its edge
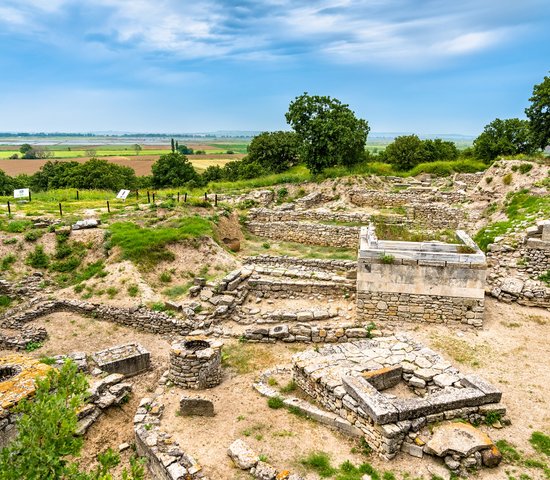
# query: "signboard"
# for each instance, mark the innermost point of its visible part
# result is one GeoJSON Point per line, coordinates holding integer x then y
{"type": "Point", "coordinates": [123, 194]}
{"type": "Point", "coordinates": [21, 193]}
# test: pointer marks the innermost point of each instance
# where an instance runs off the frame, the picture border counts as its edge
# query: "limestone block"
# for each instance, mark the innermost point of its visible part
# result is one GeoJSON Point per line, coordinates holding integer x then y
{"type": "Point", "coordinates": [196, 406]}
{"type": "Point", "coordinates": [462, 439]}
{"type": "Point", "coordinates": [242, 455]}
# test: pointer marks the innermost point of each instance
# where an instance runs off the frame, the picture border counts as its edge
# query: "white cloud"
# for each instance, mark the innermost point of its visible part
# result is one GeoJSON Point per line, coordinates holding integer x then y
{"type": "Point", "coordinates": [390, 32]}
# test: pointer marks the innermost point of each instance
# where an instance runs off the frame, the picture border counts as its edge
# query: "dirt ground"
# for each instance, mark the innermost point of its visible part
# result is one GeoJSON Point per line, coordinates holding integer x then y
{"type": "Point", "coordinates": [511, 351]}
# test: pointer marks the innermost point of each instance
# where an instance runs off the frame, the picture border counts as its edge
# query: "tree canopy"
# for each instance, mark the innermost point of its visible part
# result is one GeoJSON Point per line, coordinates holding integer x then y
{"type": "Point", "coordinates": [511, 136]}
{"type": "Point", "coordinates": [538, 114]}
{"type": "Point", "coordinates": [328, 130]}
{"type": "Point", "coordinates": [274, 151]}
{"type": "Point", "coordinates": [405, 152]}
{"type": "Point", "coordinates": [172, 170]}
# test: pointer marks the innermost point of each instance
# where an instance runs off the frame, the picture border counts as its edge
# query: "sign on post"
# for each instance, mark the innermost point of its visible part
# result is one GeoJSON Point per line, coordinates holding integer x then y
{"type": "Point", "coordinates": [123, 194]}
{"type": "Point", "coordinates": [21, 193]}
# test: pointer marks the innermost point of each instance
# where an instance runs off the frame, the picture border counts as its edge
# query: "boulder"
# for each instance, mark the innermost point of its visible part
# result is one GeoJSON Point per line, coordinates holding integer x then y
{"type": "Point", "coordinates": [491, 457]}
{"type": "Point", "coordinates": [512, 285]}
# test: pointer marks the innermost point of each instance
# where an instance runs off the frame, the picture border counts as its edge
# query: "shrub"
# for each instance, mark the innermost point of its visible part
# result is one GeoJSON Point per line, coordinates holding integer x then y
{"type": "Point", "coordinates": [38, 258]}
{"type": "Point", "coordinates": [525, 167]}
{"type": "Point", "coordinates": [5, 301]}
{"type": "Point", "coordinates": [33, 235]}
{"type": "Point", "coordinates": [165, 277]}
{"type": "Point", "coordinates": [7, 262]}
{"type": "Point", "coordinates": [65, 266]}
{"type": "Point", "coordinates": [133, 290]}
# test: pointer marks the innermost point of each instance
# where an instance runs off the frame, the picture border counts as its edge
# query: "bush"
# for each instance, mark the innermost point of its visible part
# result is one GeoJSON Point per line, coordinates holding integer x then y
{"type": "Point", "coordinates": [525, 167]}
{"type": "Point", "coordinates": [443, 168]}
{"type": "Point", "coordinates": [38, 258]}
{"type": "Point", "coordinates": [7, 262]}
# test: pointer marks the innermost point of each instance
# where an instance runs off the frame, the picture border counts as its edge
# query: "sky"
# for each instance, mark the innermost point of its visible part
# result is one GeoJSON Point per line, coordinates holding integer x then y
{"type": "Point", "coordinates": [420, 66]}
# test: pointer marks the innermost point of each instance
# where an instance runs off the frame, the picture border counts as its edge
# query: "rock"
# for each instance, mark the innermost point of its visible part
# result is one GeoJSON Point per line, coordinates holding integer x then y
{"type": "Point", "coordinates": [242, 455]}
{"type": "Point", "coordinates": [123, 446]}
{"type": "Point", "coordinates": [234, 244]}
{"type": "Point", "coordinates": [511, 285]}
{"type": "Point", "coordinates": [417, 382]}
{"type": "Point", "coordinates": [491, 457]}
{"type": "Point", "coordinates": [264, 471]}
{"type": "Point", "coordinates": [459, 438]}
{"type": "Point", "coordinates": [452, 463]}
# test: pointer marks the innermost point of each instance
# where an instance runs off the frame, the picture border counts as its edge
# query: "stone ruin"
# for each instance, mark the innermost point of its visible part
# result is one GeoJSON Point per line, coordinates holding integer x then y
{"type": "Point", "coordinates": [129, 359]}
{"type": "Point", "coordinates": [390, 388]}
{"type": "Point", "coordinates": [196, 363]}
{"type": "Point", "coordinates": [420, 281]}
{"type": "Point", "coordinates": [17, 381]}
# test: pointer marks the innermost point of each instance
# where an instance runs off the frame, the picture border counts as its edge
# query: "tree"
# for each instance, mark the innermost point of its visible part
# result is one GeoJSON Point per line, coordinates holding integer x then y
{"type": "Point", "coordinates": [328, 130]}
{"type": "Point", "coordinates": [213, 173]}
{"type": "Point", "coordinates": [102, 174]}
{"type": "Point", "coordinates": [405, 152]}
{"type": "Point", "coordinates": [539, 114]}
{"type": "Point", "coordinates": [137, 148]}
{"type": "Point", "coordinates": [26, 147]}
{"type": "Point", "coordinates": [46, 439]}
{"type": "Point", "coordinates": [438, 149]}
{"type": "Point", "coordinates": [54, 175]}
{"type": "Point", "coordinates": [173, 145]}
{"type": "Point", "coordinates": [172, 170]}
{"type": "Point", "coordinates": [184, 149]}
{"type": "Point", "coordinates": [511, 136]}
{"type": "Point", "coordinates": [274, 151]}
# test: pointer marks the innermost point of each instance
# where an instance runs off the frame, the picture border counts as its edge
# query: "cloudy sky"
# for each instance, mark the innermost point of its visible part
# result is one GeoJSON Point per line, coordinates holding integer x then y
{"type": "Point", "coordinates": [424, 66]}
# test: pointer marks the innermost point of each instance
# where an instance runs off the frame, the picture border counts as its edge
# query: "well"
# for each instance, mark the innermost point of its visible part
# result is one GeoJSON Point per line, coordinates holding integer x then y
{"type": "Point", "coordinates": [196, 363]}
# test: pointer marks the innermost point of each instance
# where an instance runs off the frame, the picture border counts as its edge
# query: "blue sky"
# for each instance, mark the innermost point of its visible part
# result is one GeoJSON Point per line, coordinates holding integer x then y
{"type": "Point", "coordinates": [432, 66]}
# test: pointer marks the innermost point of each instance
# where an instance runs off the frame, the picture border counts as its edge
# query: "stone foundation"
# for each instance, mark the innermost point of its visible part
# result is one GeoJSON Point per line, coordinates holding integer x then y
{"type": "Point", "coordinates": [129, 359]}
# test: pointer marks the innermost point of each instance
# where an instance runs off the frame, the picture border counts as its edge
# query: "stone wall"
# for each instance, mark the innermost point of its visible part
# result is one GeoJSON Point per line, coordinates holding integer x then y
{"type": "Point", "coordinates": [436, 215]}
{"type": "Point", "coordinates": [165, 458]}
{"type": "Point", "coordinates": [284, 288]}
{"type": "Point", "coordinates": [380, 198]}
{"type": "Point", "coordinates": [307, 233]}
{"type": "Point", "coordinates": [321, 215]}
{"type": "Point", "coordinates": [393, 308]}
{"type": "Point", "coordinates": [319, 265]}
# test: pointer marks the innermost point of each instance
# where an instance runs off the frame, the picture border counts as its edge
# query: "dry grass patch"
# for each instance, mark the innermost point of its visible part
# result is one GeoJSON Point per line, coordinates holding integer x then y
{"type": "Point", "coordinates": [459, 350]}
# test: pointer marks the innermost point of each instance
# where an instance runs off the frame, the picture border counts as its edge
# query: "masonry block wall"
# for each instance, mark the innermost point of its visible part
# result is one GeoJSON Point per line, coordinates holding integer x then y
{"type": "Point", "coordinates": [420, 282]}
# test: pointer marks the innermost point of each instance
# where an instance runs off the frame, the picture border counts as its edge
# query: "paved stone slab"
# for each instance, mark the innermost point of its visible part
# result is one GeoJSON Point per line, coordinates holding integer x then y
{"type": "Point", "coordinates": [493, 395]}
{"type": "Point", "coordinates": [457, 438]}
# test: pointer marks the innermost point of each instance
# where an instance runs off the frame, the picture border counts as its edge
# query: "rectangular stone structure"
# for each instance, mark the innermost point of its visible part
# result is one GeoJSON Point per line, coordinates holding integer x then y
{"type": "Point", "coordinates": [196, 406]}
{"type": "Point", "coordinates": [129, 359]}
{"type": "Point", "coordinates": [421, 282]}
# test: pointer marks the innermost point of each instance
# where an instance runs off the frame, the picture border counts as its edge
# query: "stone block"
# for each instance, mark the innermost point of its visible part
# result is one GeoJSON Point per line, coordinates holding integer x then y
{"type": "Point", "coordinates": [492, 394]}
{"type": "Point", "coordinates": [196, 406]}
{"type": "Point", "coordinates": [384, 378]}
{"type": "Point", "coordinates": [370, 400]}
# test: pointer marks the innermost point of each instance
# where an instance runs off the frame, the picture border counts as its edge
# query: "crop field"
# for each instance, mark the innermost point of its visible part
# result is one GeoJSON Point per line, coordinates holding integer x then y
{"type": "Point", "coordinates": [141, 164]}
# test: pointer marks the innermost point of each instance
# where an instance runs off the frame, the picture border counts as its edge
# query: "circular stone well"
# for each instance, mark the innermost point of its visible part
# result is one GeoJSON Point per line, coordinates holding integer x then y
{"type": "Point", "coordinates": [196, 363]}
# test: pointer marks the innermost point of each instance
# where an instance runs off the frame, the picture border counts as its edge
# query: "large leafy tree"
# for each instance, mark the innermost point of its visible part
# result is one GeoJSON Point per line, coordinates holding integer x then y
{"type": "Point", "coordinates": [274, 151]}
{"type": "Point", "coordinates": [511, 136]}
{"type": "Point", "coordinates": [539, 114]}
{"type": "Point", "coordinates": [172, 170]}
{"type": "Point", "coordinates": [46, 442]}
{"type": "Point", "coordinates": [405, 152]}
{"type": "Point", "coordinates": [438, 149]}
{"type": "Point", "coordinates": [329, 131]}
{"type": "Point", "coordinates": [102, 174]}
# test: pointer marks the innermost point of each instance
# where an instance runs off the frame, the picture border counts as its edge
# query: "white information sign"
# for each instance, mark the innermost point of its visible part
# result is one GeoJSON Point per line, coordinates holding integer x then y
{"type": "Point", "coordinates": [123, 194]}
{"type": "Point", "coordinates": [21, 193]}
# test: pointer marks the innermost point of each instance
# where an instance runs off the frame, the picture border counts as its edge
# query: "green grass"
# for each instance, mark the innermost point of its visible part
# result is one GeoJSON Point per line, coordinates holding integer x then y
{"type": "Point", "coordinates": [519, 207]}
{"type": "Point", "coordinates": [319, 462]}
{"type": "Point", "coordinates": [541, 443]}
{"type": "Point", "coordinates": [147, 246]}
{"type": "Point", "coordinates": [275, 403]}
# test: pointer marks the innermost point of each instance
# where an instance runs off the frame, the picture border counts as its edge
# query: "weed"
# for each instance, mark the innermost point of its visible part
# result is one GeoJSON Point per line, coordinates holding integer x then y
{"type": "Point", "coordinates": [387, 259]}
{"type": "Point", "coordinates": [112, 292]}
{"type": "Point", "coordinates": [272, 382]}
{"type": "Point", "coordinates": [525, 167]}
{"type": "Point", "coordinates": [262, 457]}
{"type": "Point", "coordinates": [47, 360]}
{"type": "Point", "coordinates": [370, 328]}
{"type": "Point", "coordinates": [133, 290]}
{"type": "Point", "coordinates": [492, 417]}
{"type": "Point", "coordinates": [33, 235]}
{"type": "Point", "coordinates": [7, 262]}
{"type": "Point", "coordinates": [289, 387]}
{"type": "Point", "coordinates": [32, 346]}
{"type": "Point", "coordinates": [266, 245]}
{"type": "Point", "coordinates": [507, 179]}
{"type": "Point", "coordinates": [509, 453]}
{"type": "Point", "coordinates": [275, 403]}
{"type": "Point", "coordinates": [319, 462]}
